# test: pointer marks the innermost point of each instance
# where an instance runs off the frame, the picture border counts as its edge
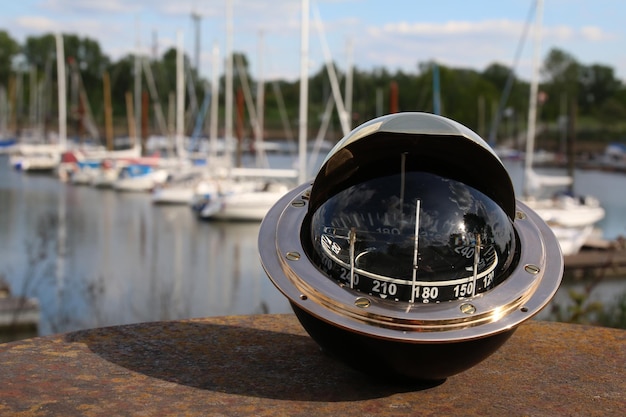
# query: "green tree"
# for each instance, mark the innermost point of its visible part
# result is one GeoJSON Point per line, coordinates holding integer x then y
{"type": "Point", "coordinates": [84, 57]}
{"type": "Point", "coordinates": [468, 96]}
{"type": "Point", "coordinates": [166, 70]}
{"type": "Point", "coordinates": [597, 85]}
{"type": "Point", "coordinates": [506, 106]}
{"type": "Point", "coordinates": [562, 79]}
{"type": "Point", "coordinates": [9, 48]}
{"type": "Point", "coordinates": [85, 51]}
{"type": "Point", "coordinates": [39, 50]}
{"type": "Point", "coordinates": [611, 110]}
{"type": "Point", "coordinates": [497, 74]}
{"type": "Point", "coordinates": [122, 81]}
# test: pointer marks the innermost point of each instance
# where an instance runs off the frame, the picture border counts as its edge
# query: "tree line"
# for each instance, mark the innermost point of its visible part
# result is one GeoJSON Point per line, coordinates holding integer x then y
{"type": "Point", "coordinates": [592, 94]}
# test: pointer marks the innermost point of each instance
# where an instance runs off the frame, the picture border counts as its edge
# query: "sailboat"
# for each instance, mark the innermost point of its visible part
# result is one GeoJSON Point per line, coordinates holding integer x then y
{"type": "Point", "coordinates": [39, 156]}
{"type": "Point", "coordinates": [247, 194]}
{"type": "Point", "coordinates": [180, 187]}
{"type": "Point", "coordinates": [571, 218]}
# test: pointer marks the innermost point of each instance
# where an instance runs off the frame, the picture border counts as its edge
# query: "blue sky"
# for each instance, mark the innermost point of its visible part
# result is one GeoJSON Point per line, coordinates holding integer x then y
{"type": "Point", "coordinates": [393, 34]}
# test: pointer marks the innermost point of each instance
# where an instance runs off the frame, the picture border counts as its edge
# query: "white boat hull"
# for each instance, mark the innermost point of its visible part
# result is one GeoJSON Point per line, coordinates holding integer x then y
{"type": "Point", "coordinates": [246, 206]}
{"type": "Point", "coordinates": [105, 178]}
{"type": "Point", "coordinates": [84, 176]}
{"type": "Point", "coordinates": [567, 211]}
{"type": "Point", "coordinates": [141, 183]}
{"type": "Point", "coordinates": [572, 239]}
{"type": "Point", "coordinates": [173, 195]}
{"type": "Point", "coordinates": [570, 219]}
{"type": "Point", "coordinates": [243, 204]}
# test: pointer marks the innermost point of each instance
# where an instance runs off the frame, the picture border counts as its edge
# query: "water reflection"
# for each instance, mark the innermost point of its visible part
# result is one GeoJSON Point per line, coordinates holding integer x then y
{"type": "Point", "coordinates": [98, 257]}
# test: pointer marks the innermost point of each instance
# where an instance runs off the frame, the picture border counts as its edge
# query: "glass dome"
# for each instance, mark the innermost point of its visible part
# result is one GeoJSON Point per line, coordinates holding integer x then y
{"type": "Point", "coordinates": [414, 237]}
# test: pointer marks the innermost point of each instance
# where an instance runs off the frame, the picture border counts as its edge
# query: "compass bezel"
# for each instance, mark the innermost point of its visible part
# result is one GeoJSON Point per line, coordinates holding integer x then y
{"type": "Point", "coordinates": [529, 288]}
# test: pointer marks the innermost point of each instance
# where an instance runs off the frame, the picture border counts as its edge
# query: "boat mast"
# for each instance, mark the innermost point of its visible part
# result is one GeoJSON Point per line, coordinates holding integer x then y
{"type": "Point", "coordinates": [349, 82]}
{"type": "Point", "coordinates": [180, 95]}
{"type": "Point", "coordinates": [137, 86]}
{"type": "Point", "coordinates": [304, 92]}
{"type": "Point", "coordinates": [532, 106]}
{"type": "Point", "coordinates": [260, 109]}
{"type": "Point", "coordinates": [214, 104]}
{"type": "Point", "coordinates": [228, 94]}
{"type": "Point", "coordinates": [61, 92]}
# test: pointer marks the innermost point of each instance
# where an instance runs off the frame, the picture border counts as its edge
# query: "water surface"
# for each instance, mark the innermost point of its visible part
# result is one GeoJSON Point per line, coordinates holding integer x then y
{"type": "Point", "coordinates": [99, 257]}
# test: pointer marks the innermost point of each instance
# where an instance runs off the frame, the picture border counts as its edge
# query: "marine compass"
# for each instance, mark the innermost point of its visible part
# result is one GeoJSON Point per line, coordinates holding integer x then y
{"type": "Point", "coordinates": [409, 256]}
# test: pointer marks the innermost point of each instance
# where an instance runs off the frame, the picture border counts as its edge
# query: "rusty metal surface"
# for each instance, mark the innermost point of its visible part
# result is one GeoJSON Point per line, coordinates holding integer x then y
{"type": "Point", "coordinates": [266, 365]}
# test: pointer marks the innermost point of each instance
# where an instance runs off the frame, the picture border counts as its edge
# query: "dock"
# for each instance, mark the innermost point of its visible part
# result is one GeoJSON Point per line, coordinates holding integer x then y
{"type": "Point", "coordinates": [18, 315]}
{"type": "Point", "coordinates": [598, 260]}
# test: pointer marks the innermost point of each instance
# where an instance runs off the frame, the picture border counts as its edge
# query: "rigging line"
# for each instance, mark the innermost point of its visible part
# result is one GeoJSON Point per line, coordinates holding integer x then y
{"type": "Point", "coordinates": [509, 81]}
{"type": "Point", "coordinates": [282, 109]}
{"type": "Point", "coordinates": [250, 106]}
{"type": "Point", "coordinates": [321, 133]}
{"type": "Point", "coordinates": [160, 116]}
{"type": "Point", "coordinates": [332, 74]}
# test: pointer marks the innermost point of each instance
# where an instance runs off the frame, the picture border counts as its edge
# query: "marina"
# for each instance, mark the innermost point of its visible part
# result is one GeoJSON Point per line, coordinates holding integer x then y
{"type": "Point", "coordinates": [427, 235]}
{"type": "Point", "coordinates": [97, 257]}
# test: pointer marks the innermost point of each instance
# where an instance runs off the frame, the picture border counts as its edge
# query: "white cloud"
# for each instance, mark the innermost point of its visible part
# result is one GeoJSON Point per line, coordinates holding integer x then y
{"type": "Point", "coordinates": [561, 33]}
{"type": "Point", "coordinates": [453, 28]}
{"type": "Point", "coordinates": [459, 44]}
{"type": "Point", "coordinates": [38, 24]}
{"type": "Point", "coordinates": [466, 44]}
{"type": "Point", "coordinates": [595, 34]}
{"type": "Point", "coordinates": [90, 6]}
{"type": "Point", "coordinates": [495, 28]}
